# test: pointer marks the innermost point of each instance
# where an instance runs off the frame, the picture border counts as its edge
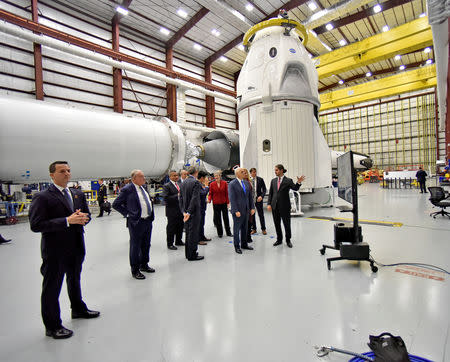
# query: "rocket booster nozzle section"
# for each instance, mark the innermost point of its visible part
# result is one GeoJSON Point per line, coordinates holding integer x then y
{"type": "Point", "coordinates": [220, 149]}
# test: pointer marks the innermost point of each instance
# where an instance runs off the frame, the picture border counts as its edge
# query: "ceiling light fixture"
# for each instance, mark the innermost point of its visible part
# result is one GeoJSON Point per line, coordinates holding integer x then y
{"type": "Point", "coordinates": [241, 47]}
{"type": "Point", "coordinates": [342, 42]}
{"type": "Point", "coordinates": [377, 8]}
{"type": "Point", "coordinates": [197, 46]}
{"type": "Point", "coordinates": [249, 7]}
{"type": "Point", "coordinates": [368, 74]}
{"type": "Point", "coordinates": [422, 15]}
{"type": "Point", "coordinates": [215, 32]}
{"type": "Point", "coordinates": [429, 61]}
{"type": "Point", "coordinates": [398, 57]}
{"type": "Point", "coordinates": [164, 31]}
{"type": "Point", "coordinates": [239, 15]}
{"type": "Point", "coordinates": [122, 10]}
{"type": "Point", "coordinates": [312, 5]}
{"type": "Point", "coordinates": [427, 50]}
{"type": "Point", "coordinates": [341, 82]}
{"type": "Point", "coordinates": [223, 59]}
{"type": "Point", "coordinates": [182, 13]}
{"type": "Point", "coordinates": [329, 26]}
{"type": "Point", "coordinates": [402, 67]}
{"type": "Point", "coordinates": [385, 28]}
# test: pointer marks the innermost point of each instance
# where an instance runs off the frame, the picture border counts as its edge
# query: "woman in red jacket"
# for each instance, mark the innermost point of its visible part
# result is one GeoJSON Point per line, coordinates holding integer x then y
{"type": "Point", "coordinates": [218, 193]}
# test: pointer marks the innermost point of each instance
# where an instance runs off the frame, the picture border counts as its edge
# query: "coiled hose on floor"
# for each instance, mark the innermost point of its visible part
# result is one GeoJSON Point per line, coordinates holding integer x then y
{"type": "Point", "coordinates": [372, 355]}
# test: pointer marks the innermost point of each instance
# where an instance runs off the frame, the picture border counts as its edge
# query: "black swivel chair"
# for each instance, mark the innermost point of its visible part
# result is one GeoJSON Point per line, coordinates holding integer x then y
{"type": "Point", "coordinates": [439, 199]}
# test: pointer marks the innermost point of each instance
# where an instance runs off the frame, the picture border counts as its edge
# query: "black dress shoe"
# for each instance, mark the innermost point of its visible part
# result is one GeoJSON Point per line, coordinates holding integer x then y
{"type": "Point", "coordinates": [220, 236]}
{"type": "Point", "coordinates": [138, 275]}
{"type": "Point", "coordinates": [179, 244]}
{"type": "Point", "coordinates": [238, 249]}
{"type": "Point", "coordinates": [277, 243]}
{"type": "Point", "coordinates": [87, 314]}
{"type": "Point", "coordinates": [205, 239]}
{"type": "Point", "coordinates": [289, 244]}
{"type": "Point", "coordinates": [247, 247]}
{"type": "Point", "coordinates": [59, 333]}
{"type": "Point", "coordinates": [147, 269]}
{"type": "Point", "coordinates": [2, 240]}
{"type": "Point", "coordinates": [250, 241]}
{"type": "Point", "coordinates": [198, 257]}
{"type": "Point", "coordinates": [229, 234]}
{"type": "Point", "coordinates": [171, 247]}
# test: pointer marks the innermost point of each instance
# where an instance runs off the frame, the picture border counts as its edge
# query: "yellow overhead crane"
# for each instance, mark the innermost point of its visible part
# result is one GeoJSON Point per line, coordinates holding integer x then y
{"type": "Point", "coordinates": [403, 39]}
{"type": "Point", "coordinates": [421, 78]}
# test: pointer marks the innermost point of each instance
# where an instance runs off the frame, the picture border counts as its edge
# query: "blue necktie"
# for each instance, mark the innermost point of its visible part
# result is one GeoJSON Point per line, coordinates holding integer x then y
{"type": "Point", "coordinates": [243, 185]}
{"type": "Point", "coordinates": [149, 208]}
{"type": "Point", "coordinates": [68, 198]}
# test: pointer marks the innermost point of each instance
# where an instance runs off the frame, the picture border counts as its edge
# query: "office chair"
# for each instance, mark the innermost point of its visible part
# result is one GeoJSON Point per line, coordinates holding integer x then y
{"type": "Point", "coordinates": [439, 199]}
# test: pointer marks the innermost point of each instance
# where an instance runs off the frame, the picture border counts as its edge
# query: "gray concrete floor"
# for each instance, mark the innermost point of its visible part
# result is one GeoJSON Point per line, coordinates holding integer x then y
{"type": "Point", "coordinates": [270, 304]}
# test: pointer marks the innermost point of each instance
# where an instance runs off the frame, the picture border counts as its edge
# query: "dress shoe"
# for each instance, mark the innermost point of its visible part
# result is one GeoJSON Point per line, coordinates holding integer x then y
{"type": "Point", "coordinates": [202, 243]}
{"type": "Point", "coordinates": [276, 243]}
{"type": "Point", "coordinates": [253, 232]}
{"type": "Point", "coordinates": [198, 257]}
{"type": "Point", "coordinates": [171, 247]}
{"type": "Point", "coordinates": [2, 240]}
{"type": "Point", "coordinates": [247, 247]}
{"type": "Point", "coordinates": [238, 249]}
{"type": "Point", "coordinates": [264, 232]}
{"type": "Point", "coordinates": [250, 241]}
{"type": "Point", "coordinates": [289, 244]}
{"type": "Point", "coordinates": [205, 239]}
{"type": "Point", "coordinates": [229, 234]}
{"type": "Point", "coordinates": [59, 333]}
{"type": "Point", "coordinates": [179, 243]}
{"type": "Point", "coordinates": [138, 275]}
{"type": "Point", "coordinates": [147, 269]}
{"type": "Point", "coordinates": [220, 236]}
{"type": "Point", "coordinates": [86, 314]}
{"type": "Point", "coordinates": [109, 212]}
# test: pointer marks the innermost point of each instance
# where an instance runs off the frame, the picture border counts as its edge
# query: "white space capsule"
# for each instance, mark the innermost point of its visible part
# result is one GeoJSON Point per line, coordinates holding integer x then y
{"type": "Point", "coordinates": [278, 104]}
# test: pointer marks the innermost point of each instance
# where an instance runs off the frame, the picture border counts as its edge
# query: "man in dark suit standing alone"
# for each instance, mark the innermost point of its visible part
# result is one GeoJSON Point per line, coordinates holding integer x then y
{"type": "Point", "coordinates": [280, 204]}
{"type": "Point", "coordinates": [101, 196]}
{"type": "Point", "coordinates": [421, 176]}
{"type": "Point", "coordinates": [191, 209]}
{"type": "Point", "coordinates": [135, 204]}
{"type": "Point", "coordinates": [242, 206]}
{"type": "Point", "coordinates": [259, 191]}
{"type": "Point", "coordinates": [60, 213]}
{"type": "Point", "coordinates": [175, 225]}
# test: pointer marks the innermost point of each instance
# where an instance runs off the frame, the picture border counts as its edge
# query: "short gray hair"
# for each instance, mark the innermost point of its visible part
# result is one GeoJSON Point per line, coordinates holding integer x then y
{"type": "Point", "coordinates": [237, 169]}
{"type": "Point", "coordinates": [134, 172]}
{"type": "Point", "coordinates": [192, 170]}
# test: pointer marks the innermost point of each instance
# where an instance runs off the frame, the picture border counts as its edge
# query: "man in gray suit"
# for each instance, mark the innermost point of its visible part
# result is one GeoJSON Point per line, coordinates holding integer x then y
{"type": "Point", "coordinates": [242, 206]}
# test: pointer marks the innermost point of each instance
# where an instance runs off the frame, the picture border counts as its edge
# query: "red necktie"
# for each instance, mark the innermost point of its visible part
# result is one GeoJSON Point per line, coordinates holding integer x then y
{"type": "Point", "coordinates": [279, 181]}
{"type": "Point", "coordinates": [178, 187]}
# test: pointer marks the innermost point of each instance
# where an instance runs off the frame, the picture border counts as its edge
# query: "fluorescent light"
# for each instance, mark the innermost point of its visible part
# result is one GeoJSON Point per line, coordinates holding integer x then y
{"type": "Point", "coordinates": [327, 47]}
{"type": "Point", "coordinates": [377, 8]}
{"type": "Point", "coordinates": [249, 7]}
{"type": "Point", "coordinates": [182, 13]}
{"type": "Point", "coordinates": [402, 67]}
{"type": "Point", "coordinates": [429, 61]}
{"type": "Point", "coordinates": [122, 10]}
{"type": "Point", "coordinates": [312, 5]}
{"type": "Point", "coordinates": [398, 57]}
{"type": "Point", "coordinates": [342, 42]}
{"type": "Point", "coordinates": [427, 50]}
{"type": "Point", "coordinates": [368, 74]}
{"type": "Point", "coordinates": [422, 15]}
{"type": "Point", "coordinates": [341, 82]}
{"type": "Point", "coordinates": [241, 47]}
{"type": "Point", "coordinates": [329, 26]}
{"type": "Point", "coordinates": [239, 15]}
{"type": "Point", "coordinates": [215, 32]}
{"type": "Point", "coordinates": [164, 31]}
{"type": "Point", "coordinates": [223, 59]}
{"type": "Point", "coordinates": [197, 46]}
{"type": "Point", "coordinates": [385, 28]}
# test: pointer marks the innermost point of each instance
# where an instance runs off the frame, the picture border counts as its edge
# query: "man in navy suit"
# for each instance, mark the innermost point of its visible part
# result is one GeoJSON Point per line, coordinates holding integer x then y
{"type": "Point", "coordinates": [175, 225]}
{"type": "Point", "coordinates": [259, 191]}
{"type": "Point", "coordinates": [191, 209]}
{"type": "Point", "coordinates": [280, 204]}
{"type": "Point", "coordinates": [242, 206]}
{"type": "Point", "coordinates": [60, 213]}
{"type": "Point", "coordinates": [135, 204]}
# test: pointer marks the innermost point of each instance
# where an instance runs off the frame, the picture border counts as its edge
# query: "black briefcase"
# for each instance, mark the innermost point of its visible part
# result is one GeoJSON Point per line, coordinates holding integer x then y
{"type": "Point", "coordinates": [388, 348]}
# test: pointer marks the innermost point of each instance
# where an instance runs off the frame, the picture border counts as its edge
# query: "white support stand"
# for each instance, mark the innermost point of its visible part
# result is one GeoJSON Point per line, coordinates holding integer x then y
{"type": "Point", "coordinates": [296, 204]}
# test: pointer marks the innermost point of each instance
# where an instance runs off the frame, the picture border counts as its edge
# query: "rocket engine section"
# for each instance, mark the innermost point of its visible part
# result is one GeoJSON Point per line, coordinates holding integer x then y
{"type": "Point", "coordinates": [278, 103]}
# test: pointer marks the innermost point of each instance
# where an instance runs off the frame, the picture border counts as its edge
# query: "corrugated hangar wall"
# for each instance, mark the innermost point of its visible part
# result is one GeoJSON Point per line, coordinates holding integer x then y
{"type": "Point", "coordinates": [86, 84]}
{"type": "Point", "coordinates": [397, 133]}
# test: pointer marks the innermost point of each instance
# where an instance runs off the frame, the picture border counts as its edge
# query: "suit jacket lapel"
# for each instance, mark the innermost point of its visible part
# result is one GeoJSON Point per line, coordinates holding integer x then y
{"type": "Point", "coordinates": [58, 194]}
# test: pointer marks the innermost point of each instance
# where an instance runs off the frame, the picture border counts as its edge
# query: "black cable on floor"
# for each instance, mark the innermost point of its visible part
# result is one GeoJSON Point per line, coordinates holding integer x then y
{"type": "Point", "coordinates": [425, 266]}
